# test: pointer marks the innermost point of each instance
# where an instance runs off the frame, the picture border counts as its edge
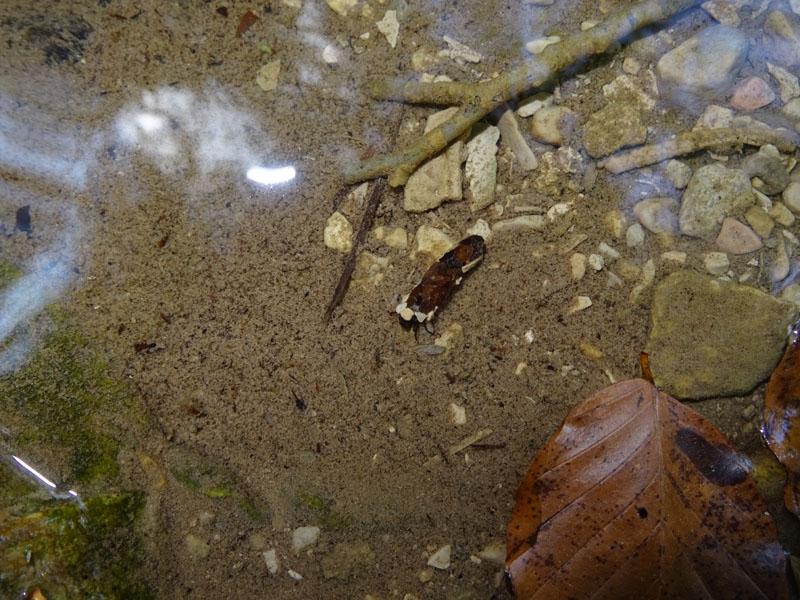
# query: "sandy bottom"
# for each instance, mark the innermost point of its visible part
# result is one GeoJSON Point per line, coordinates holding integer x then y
{"type": "Point", "coordinates": [134, 125]}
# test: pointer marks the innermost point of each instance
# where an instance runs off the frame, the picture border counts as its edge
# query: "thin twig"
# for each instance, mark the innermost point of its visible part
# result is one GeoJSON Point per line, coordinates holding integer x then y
{"type": "Point", "coordinates": [482, 98]}
{"type": "Point", "coordinates": [723, 141]}
{"type": "Point", "coordinates": [350, 265]}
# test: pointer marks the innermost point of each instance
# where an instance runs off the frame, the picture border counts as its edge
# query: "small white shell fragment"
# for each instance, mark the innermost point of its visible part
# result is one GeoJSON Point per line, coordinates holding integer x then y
{"type": "Point", "coordinates": [779, 267]}
{"type": "Point", "coordinates": [587, 25]}
{"type": "Point", "coordinates": [303, 537]}
{"type": "Point", "coordinates": [631, 65]}
{"type": "Point", "coordinates": [578, 303]}
{"type": "Point", "coordinates": [577, 266]}
{"type": "Point", "coordinates": [522, 222]}
{"type": "Point", "coordinates": [294, 575]}
{"type": "Point", "coordinates": [674, 256]}
{"type": "Point", "coordinates": [536, 46]}
{"type": "Point", "coordinates": [529, 336]}
{"type": "Point", "coordinates": [557, 210]}
{"type": "Point", "coordinates": [481, 228]}
{"type": "Point", "coordinates": [338, 233]}
{"type": "Point", "coordinates": [494, 552]}
{"type": "Point", "coordinates": [716, 263]}
{"type": "Point", "coordinates": [330, 55]}
{"type": "Point", "coordinates": [458, 414]}
{"type": "Point", "coordinates": [267, 78]}
{"type": "Point", "coordinates": [531, 104]}
{"type": "Point", "coordinates": [441, 558]}
{"type": "Point", "coordinates": [459, 51]}
{"type": "Point", "coordinates": [342, 7]}
{"type": "Point", "coordinates": [271, 560]}
{"type": "Point", "coordinates": [608, 251]}
{"type": "Point", "coordinates": [596, 261]}
{"type": "Point", "coordinates": [433, 241]}
{"type": "Point", "coordinates": [520, 368]}
{"type": "Point", "coordinates": [389, 27]}
{"type": "Point", "coordinates": [634, 236]}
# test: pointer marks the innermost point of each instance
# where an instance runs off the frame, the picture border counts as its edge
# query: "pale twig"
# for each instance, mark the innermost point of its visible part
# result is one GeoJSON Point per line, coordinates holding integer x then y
{"type": "Point", "coordinates": [723, 141]}
{"type": "Point", "coordinates": [480, 99]}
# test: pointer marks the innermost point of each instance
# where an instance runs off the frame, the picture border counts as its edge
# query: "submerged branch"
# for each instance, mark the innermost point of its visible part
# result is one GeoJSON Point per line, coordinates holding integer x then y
{"type": "Point", "coordinates": [722, 141]}
{"type": "Point", "coordinates": [479, 99]}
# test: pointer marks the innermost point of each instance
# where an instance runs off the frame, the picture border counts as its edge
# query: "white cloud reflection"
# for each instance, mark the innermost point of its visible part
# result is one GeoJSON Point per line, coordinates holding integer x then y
{"type": "Point", "coordinates": [179, 130]}
{"type": "Point", "coordinates": [270, 176]}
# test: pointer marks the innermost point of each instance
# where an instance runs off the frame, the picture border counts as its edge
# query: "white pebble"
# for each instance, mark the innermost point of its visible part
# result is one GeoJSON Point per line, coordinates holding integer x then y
{"type": "Point", "coordinates": [294, 575]}
{"type": "Point", "coordinates": [674, 256]}
{"type": "Point", "coordinates": [481, 228]}
{"type": "Point", "coordinates": [631, 65]}
{"type": "Point", "coordinates": [536, 46]}
{"type": "Point", "coordinates": [608, 251]}
{"type": "Point", "coordinates": [441, 558]}
{"type": "Point", "coordinates": [596, 262]}
{"type": "Point", "coordinates": [791, 197]}
{"type": "Point", "coordinates": [522, 222]}
{"type": "Point", "coordinates": [330, 55]}
{"type": "Point", "coordinates": [458, 414]}
{"type": "Point", "coordinates": [578, 303]}
{"type": "Point", "coordinates": [716, 263]}
{"type": "Point", "coordinates": [271, 560]}
{"type": "Point", "coordinates": [389, 27]}
{"type": "Point", "coordinates": [529, 336]}
{"type": "Point", "coordinates": [303, 537]}
{"type": "Point", "coordinates": [779, 268]}
{"type": "Point", "coordinates": [635, 235]}
{"type": "Point", "coordinates": [577, 265]}
{"type": "Point", "coordinates": [338, 233]}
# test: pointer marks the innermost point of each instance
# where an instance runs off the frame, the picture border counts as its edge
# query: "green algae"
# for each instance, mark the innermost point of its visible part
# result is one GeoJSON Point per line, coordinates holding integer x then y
{"type": "Point", "coordinates": [65, 397]}
{"type": "Point", "coordinates": [69, 551]}
{"type": "Point", "coordinates": [214, 482]}
{"type": "Point", "coordinates": [322, 508]}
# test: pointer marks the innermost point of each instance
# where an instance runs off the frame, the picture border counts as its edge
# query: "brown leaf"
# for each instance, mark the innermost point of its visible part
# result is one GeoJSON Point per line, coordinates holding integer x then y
{"type": "Point", "coordinates": [638, 496]}
{"type": "Point", "coordinates": [782, 422]}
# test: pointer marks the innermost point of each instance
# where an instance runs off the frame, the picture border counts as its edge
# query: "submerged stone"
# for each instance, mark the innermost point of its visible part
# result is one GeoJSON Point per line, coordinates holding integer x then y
{"type": "Point", "coordinates": [714, 338]}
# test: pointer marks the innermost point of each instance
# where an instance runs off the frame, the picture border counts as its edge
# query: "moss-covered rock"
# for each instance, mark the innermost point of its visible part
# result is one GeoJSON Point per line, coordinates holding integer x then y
{"type": "Point", "coordinates": [714, 338]}
{"type": "Point", "coordinates": [68, 551]}
{"type": "Point", "coordinates": [65, 397]}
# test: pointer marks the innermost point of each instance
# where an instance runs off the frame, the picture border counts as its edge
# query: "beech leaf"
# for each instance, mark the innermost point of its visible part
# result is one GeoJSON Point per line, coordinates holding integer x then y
{"type": "Point", "coordinates": [638, 496]}
{"type": "Point", "coordinates": [782, 422]}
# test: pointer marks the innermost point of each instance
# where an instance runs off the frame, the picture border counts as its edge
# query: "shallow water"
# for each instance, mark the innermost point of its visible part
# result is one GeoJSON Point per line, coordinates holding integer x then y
{"type": "Point", "coordinates": [169, 302]}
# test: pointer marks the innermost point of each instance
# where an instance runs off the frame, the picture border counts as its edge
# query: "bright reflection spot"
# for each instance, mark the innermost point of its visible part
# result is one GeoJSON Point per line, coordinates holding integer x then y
{"type": "Point", "coordinates": [267, 176]}
{"type": "Point", "coordinates": [33, 471]}
{"type": "Point", "coordinates": [73, 493]}
{"type": "Point", "coordinates": [150, 123]}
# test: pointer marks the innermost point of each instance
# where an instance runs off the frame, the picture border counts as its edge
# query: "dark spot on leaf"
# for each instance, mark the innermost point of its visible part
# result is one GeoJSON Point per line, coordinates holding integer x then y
{"type": "Point", "coordinates": [641, 511]}
{"type": "Point", "coordinates": [721, 465]}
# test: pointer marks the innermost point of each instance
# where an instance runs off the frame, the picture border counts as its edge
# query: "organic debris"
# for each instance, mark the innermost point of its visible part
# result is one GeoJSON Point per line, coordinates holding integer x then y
{"type": "Point", "coordinates": [245, 23]}
{"type": "Point", "coordinates": [722, 141]}
{"type": "Point", "coordinates": [638, 496]}
{"type": "Point", "coordinates": [782, 422]}
{"type": "Point", "coordinates": [478, 100]}
{"type": "Point", "coordinates": [440, 281]}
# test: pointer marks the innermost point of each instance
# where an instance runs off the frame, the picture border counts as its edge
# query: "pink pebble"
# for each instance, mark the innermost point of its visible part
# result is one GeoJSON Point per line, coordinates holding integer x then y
{"type": "Point", "coordinates": [752, 93]}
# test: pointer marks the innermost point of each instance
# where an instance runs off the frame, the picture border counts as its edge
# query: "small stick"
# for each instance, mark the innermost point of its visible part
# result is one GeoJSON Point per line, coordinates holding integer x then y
{"type": "Point", "coordinates": [480, 99]}
{"type": "Point", "coordinates": [723, 141]}
{"type": "Point", "coordinates": [350, 265]}
{"type": "Point", "coordinates": [455, 449]}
